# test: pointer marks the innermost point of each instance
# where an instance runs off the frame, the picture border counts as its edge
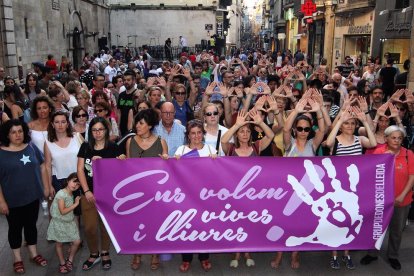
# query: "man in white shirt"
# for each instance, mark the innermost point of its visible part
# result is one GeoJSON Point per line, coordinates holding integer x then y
{"type": "Point", "coordinates": [110, 70]}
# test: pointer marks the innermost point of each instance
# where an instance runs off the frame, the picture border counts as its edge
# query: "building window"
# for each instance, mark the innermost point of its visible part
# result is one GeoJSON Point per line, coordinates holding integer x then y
{"type": "Point", "coordinates": [47, 29]}
{"type": "Point", "coordinates": [26, 31]}
{"type": "Point", "coordinates": [401, 4]}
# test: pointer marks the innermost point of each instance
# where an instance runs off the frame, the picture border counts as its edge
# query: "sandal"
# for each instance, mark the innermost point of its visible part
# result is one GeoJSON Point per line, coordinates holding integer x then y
{"type": "Point", "coordinates": [136, 262]}
{"type": "Point", "coordinates": [250, 262]}
{"type": "Point", "coordinates": [185, 266]}
{"type": "Point", "coordinates": [155, 262]}
{"type": "Point", "coordinates": [206, 265]}
{"type": "Point", "coordinates": [18, 267]}
{"type": "Point", "coordinates": [106, 264]}
{"type": "Point", "coordinates": [69, 265]}
{"type": "Point", "coordinates": [234, 263]}
{"type": "Point", "coordinates": [63, 269]}
{"type": "Point", "coordinates": [39, 260]}
{"type": "Point", "coordinates": [87, 265]}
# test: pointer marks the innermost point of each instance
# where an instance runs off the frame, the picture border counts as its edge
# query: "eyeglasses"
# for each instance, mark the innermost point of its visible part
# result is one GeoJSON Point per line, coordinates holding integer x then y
{"type": "Point", "coordinates": [215, 113]}
{"type": "Point", "coordinates": [98, 130]}
{"type": "Point", "coordinates": [81, 115]}
{"type": "Point", "coordinates": [98, 110]}
{"type": "Point", "coordinates": [168, 113]}
{"type": "Point", "coordinates": [180, 93]}
{"type": "Point", "coordinates": [301, 129]}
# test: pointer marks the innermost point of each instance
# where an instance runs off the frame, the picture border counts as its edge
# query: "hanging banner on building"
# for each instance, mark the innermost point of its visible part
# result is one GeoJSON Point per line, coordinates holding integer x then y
{"type": "Point", "coordinates": [232, 204]}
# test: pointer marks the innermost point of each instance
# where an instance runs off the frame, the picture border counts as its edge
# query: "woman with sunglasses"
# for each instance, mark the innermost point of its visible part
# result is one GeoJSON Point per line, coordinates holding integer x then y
{"type": "Point", "coordinates": [195, 143]}
{"type": "Point", "coordinates": [241, 133]}
{"type": "Point", "coordinates": [300, 140]}
{"type": "Point", "coordinates": [32, 88]}
{"type": "Point", "coordinates": [80, 119]}
{"type": "Point", "coordinates": [146, 144]}
{"type": "Point", "coordinates": [214, 131]}
{"type": "Point", "coordinates": [103, 110]}
{"type": "Point", "coordinates": [83, 97]}
{"type": "Point", "coordinates": [347, 143]}
{"type": "Point", "coordinates": [98, 146]}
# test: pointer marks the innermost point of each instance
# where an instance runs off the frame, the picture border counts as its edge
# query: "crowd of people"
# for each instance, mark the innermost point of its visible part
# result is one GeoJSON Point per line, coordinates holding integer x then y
{"type": "Point", "coordinates": [254, 103]}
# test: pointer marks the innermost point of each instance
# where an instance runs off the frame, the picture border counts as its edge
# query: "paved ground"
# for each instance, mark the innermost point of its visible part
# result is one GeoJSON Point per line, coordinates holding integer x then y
{"type": "Point", "coordinates": [312, 263]}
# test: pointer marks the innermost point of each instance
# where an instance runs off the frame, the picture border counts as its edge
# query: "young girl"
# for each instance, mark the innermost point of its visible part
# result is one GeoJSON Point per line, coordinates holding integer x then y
{"type": "Point", "coordinates": [62, 227]}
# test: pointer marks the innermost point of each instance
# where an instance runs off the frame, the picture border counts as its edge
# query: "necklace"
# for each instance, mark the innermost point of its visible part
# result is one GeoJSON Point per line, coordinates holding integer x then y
{"type": "Point", "coordinates": [145, 138]}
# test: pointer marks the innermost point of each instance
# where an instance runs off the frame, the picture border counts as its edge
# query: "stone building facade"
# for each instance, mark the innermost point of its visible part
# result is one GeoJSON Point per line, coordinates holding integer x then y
{"type": "Point", "coordinates": [32, 29]}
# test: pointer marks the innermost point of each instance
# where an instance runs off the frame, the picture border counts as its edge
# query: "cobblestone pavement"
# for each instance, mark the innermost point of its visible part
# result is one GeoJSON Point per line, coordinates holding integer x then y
{"type": "Point", "coordinates": [312, 263]}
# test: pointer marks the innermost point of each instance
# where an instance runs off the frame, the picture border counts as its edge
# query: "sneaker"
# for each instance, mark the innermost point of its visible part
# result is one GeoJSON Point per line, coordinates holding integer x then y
{"type": "Point", "coordinates": [367, 259]}
{"type": "Point", "coordinates": [334, 263]}
{"type": "Point", "coordinates": [348, 262]}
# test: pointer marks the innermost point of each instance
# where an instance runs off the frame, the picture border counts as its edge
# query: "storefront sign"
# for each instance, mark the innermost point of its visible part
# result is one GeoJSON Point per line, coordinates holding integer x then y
{"type": "Point", "coordinates": [366, 29]}
{"type": "Point", "coordinates": [345, 21]}
{"type": "Point", "coordinates": [231, 204]}
{"type": "Point", "coordinates": [398, 27]}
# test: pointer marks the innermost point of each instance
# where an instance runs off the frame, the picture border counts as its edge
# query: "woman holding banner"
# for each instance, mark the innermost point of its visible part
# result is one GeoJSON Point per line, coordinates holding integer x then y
{"type": "Point", "coordinates": [195, 147]}
{"type": "Point", "coordinates": [345, 144]}
{"type": "Point", "coordinates": [146, 144]}
{"type": "Point", "coordinates": [98, 146]}
{"type": "Point", "coordinates": [243, 146]}
{"type": "Point", "coordinates": [301, 140]}
{"type": "Point", "coordinates": [404, 180]}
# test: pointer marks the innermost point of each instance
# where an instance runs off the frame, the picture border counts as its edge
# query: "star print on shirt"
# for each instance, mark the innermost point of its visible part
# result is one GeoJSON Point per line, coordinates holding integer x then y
{"type": "Point", "coordinates": [25, 159]}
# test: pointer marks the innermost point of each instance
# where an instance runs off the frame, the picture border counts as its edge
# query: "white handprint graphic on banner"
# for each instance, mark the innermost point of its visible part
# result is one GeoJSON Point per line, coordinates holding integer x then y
{"type": "Point", "coordinates": [338, 211]}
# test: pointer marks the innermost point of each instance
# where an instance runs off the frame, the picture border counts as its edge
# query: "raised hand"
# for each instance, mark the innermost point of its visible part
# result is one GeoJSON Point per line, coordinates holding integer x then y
{"type": "Point", "coordinates": [396, 97]}
{"type": "Point", "coordinates": [161, 82]}
{"type": "Point", "coordinates": [241, 118]}
{"type": "Point", "coordinates": [223, 89]}
{"type": "Point", "coordinates": [256, 117]}
{"type": "Point", "coordinates": [266, 88]}
{"type": "Point", "coordinates": [239, 92]}
{"type": "Point", "coordinates": [151, 81]}
{"type": "Point", "coordinates": [409, 97]}
{"type": "Point", "coordinates": [186, 73]}
{"type": "Point", "coordinates": [359, 114]}
{"type": "Point", "coordinates": [314, 105]}
{"type": "Point", "coordinates": [210, 88]}
{"type": "Point", "coordinates": [260, 103]}
{"type": "Point", "coordinates": [346, 115]}
{"type": "Point", "coordinates": [272, 104]}
{"type": "Point", "coordinates": [393, 110]}
{"type": "Point", "coordinates": [300, 106]}
{"type": "Point", "coordinates": [382, 109]}
{"type": "Point", "coordinates": [362, 102]}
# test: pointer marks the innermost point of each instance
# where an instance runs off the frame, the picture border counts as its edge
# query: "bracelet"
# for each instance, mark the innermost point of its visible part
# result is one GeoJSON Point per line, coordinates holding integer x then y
{"type": "Point", "coordinates": [87, 191]}
{"type": "Point", "coordinates": [366, 113]}
{"type": "Point", "coordinates": [276, 113]}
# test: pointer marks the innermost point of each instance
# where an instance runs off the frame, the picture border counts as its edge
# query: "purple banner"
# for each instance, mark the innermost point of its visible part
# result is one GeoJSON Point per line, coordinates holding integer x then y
{"type": "Point", "coordinates": [232, 204]}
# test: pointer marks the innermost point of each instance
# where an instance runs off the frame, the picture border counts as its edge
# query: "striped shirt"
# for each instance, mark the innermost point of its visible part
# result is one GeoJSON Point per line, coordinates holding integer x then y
{"type": "Point", "coordinates": [353, 149]}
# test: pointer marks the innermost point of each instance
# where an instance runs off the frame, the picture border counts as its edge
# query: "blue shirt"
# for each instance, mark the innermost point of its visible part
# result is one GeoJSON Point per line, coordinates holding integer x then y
{"type": "Point", "coordinates": [20, 176]}
{"type": "Point", "coordinates": [174, 138]}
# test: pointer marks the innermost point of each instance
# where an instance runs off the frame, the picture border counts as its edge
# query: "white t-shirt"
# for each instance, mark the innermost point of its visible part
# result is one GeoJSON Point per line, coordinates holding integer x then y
{"type": "Point", "coordinates": [110, 71]}
{"type": "Point", "coordinates": [206, 151]}
{"type": "Point", "coordinates": [211, 140]}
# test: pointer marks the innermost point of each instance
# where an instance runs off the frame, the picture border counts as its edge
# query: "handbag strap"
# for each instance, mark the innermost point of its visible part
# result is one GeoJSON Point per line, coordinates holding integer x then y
{"type": "Point", "coordinates": [218, 140]}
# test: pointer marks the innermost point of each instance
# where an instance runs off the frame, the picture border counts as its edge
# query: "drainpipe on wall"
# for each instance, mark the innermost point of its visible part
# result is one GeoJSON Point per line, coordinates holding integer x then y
{"type": "Point", "coordinates": [410, 80]}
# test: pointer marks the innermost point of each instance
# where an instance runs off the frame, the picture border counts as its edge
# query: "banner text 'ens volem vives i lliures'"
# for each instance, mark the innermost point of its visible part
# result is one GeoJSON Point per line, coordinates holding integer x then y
{"type": "Point", "coordinates": [232, 204]}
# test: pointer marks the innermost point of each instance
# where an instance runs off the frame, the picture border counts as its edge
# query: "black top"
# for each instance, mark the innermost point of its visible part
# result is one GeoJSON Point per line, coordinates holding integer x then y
{"type": "Point", "coordinates": [111, 151]}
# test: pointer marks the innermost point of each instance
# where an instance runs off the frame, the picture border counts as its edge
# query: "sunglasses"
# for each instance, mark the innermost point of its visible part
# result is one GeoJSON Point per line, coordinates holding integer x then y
{"type": "Point", "coordinates": [81, 116]}
{"type": "Point", "coordinates": [215, 113]}
{"type": "Point", "coordinates": [301, 129]}
{"type": "Point", "coordinates": [98, 110]}
{"type": "Point", "coordinates": [179, 93]}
